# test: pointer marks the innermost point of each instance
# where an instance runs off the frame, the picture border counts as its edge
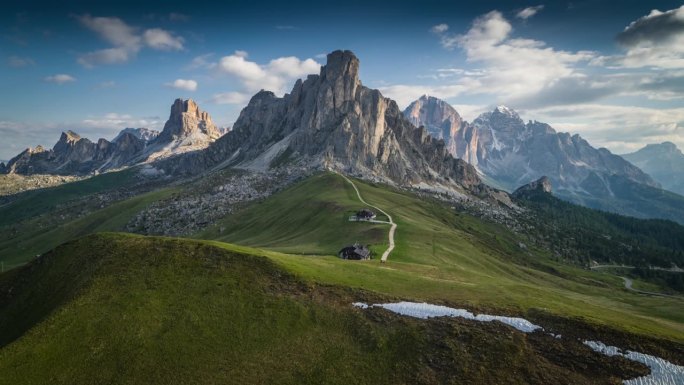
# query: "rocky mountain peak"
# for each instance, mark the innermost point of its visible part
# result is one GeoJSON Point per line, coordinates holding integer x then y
{"type": "Point", "coordinates": [187, 120]}
{"type": "Point", "coordinates": [66, 141]}
{"type": "Point", "coordinates": [438, 117]}
{"type": "Point", "coordinates": [342, 66]}
{"type": "Point", "coordinates": [331, 120]}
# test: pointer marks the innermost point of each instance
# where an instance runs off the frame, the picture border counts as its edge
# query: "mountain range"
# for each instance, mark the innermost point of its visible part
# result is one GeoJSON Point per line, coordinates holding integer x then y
{"type": "Point", "coordinates": [664, 162]}
{"type": "Point", "coordinates": [187, 129]}
{"type": "Point", "coordinates": [509, 152]}
{"type": "Point", "coordinates": [331, 120]}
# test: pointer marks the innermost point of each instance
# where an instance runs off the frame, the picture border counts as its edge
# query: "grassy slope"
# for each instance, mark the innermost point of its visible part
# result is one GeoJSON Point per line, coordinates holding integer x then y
{"type": "Point", "coordinates": [35, 202]}
{"type": "Point", "coordinates": [123, 309]}
{"type": "Point", "coordinates": [35, 239]}
{"type": "Point", "coordinates": [440, 256]}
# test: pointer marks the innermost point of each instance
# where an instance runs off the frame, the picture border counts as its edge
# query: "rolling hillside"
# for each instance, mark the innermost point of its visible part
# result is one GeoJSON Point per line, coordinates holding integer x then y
{"type": "Point", "coordinates": [122, 309]}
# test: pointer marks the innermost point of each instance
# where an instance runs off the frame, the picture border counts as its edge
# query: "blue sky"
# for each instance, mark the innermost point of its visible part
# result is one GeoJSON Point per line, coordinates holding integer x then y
{"type": "Point", "coordinates": [611, 71]}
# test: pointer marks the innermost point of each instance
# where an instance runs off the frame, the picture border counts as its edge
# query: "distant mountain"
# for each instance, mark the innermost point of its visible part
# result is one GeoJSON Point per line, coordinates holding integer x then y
{"type": "Point", "coordinates": [187, 129]}
{"type": "Point", "coordinates": [331, 120]}
{"type": "Point", "coordinates": [145, 134]}
{"type": "Point", "coordinates": [664, 162]}
{"type": "Point", "coordinates": [509, 153]}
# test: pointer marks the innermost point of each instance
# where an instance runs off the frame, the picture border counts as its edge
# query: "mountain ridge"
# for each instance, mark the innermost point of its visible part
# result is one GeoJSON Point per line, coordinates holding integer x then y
{"type": "Point", "coordinates": [664, 162]}
{"type": "Point", "coordinates": [187, 129]}
{"type": "Point", "coordinates": [509, 153]}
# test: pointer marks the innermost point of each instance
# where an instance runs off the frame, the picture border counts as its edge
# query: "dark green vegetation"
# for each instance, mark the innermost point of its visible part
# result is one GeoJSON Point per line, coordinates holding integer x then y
{"type": "Point", "coordinates": [123, 309]}
{"type": "Point", "coordinates": [583, 235]}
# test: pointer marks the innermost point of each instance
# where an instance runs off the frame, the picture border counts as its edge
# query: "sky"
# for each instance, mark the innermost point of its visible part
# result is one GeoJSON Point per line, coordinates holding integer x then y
{"type": "Point", "coordinates": [611, 71]}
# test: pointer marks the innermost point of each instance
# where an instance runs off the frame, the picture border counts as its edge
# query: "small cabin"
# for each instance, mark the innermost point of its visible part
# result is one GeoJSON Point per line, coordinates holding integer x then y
{"type": "Point", "coordinates": [355, 252]}
{"type": "Point", "coordinates": [363, 215]}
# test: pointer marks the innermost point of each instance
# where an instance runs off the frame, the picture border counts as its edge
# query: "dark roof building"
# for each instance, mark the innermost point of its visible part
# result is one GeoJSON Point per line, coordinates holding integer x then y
{"type": "Point", "coordinates": [355, 252]}
{"type": "Point", "coordinates": [365, 214]}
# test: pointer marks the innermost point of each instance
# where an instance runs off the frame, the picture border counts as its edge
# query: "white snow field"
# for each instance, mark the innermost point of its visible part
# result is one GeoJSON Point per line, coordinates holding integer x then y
{"type": "Point", "coordinates": [426, 310]}
{"type": "Point", "coordinates": [662, 372]}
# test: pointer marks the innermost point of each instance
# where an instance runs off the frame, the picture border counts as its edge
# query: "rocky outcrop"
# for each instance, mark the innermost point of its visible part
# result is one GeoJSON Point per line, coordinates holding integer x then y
{"type": "Point", "coordinates": [188, 123]}
{"type": "Point", "coordinates": [333, 121]}
{"type": "Point", "coordinates": [664, 162]}
{"type": "Point", "coordinates": [539, 186]}
{"type": "Point", "coordinates": [187, 129]}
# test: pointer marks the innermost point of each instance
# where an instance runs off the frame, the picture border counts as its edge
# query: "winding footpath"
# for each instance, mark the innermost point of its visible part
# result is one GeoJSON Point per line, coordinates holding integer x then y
{"type": "Point", "coordinates": [628, 286]}
{"type": "Point", "coordinates": [389, 217]}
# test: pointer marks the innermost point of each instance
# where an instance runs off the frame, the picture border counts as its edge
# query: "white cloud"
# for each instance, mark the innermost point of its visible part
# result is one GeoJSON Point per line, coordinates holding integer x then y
{"type": "Point", "coordinates": [183, 84]}
{"type": "Point", "coordinates": [113, 122]}
{"type": "Point", "coordinates": [292, 67]}
{"type": "Point", "coordinates": [652, 41]}
{"type": "Point", "coordinates": [273, 76]}
{"type": "Point", "coordinates": [512, 69]}
{"type": "Point", "coordinates": [112, 30]}
{"type": "Point", "coordinates": [60, 79]}
{"type": "Point", "coordinates": [202, 61]}
{"type": "Point", "coordinates": [529, 12]}
{"type": "Point", "coordinates": [126, 40]}
{"type": "Point", "coordinates": [620, 128]}
{"type": "Point", "coordinates": [439, 28]}
{"type": "Point", "coordinates": [230, 98]}
{"type": "Point", "coordinates": [105, 56]}
{"type": "Point", "coordinates": [162, 40]}
{"type": "Point", "coordinates": [20, 62]}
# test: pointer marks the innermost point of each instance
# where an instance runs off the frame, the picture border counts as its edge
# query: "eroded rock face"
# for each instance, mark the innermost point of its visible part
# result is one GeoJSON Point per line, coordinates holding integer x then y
{"type": "Point", "coordinates": [186, 120]}
{"type": "Point", "coordinates": [541, 185]}
{"type": "Point", "coordinates": [332, 120]}
{"type": "Point", "coordinates": [440, 119]}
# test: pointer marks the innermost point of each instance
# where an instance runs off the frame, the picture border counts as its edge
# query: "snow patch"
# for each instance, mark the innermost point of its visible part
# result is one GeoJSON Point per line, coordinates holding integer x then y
{"type": "Point", "coordinates": [426, 310]}
{"type": "Point", "coordinates": [662, 372]}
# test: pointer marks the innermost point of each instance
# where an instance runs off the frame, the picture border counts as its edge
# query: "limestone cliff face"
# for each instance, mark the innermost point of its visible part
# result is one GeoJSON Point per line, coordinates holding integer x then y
{"type": "Point", "coordinates": [332, 120]}
{"type": "Point", "coordinates": [440, 119]}
{"type": "Point", "coordinates": [186, 120]}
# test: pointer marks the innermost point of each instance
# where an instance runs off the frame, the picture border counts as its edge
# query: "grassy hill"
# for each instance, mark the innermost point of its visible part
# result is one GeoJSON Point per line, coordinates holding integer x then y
{"type": "Point", "coordinates": [124, 309]}
{"type": "Point", "coordinates": [441, 255]}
